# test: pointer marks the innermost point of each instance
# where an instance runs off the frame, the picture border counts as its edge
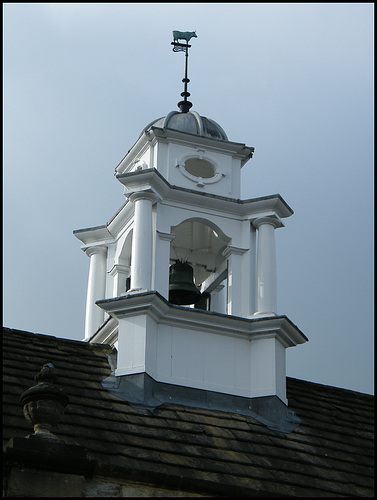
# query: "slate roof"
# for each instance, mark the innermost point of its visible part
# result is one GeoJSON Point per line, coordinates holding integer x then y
{"type": "Point", "coordinates": [329, 454]}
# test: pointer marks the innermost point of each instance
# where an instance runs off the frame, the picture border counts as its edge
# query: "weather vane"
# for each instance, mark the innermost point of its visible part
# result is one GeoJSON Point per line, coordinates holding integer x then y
{"type": "Point", "coordinates": [184, 105]}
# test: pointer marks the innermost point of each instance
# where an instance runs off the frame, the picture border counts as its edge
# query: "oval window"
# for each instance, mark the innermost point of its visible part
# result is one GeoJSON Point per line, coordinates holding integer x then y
{"type": "Point", "coordinates": [200, 168]}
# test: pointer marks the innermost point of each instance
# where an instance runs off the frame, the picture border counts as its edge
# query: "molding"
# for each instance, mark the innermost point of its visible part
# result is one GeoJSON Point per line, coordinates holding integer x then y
{"type": "Point", "coordinates": [153, 135]}
{"type": "Point", "coordinates": [272, 221]}
{"type": "Point", "coordinates": [165, 236]}
{"type": "Point", "coordinates": [199, 181]}
{"type": "Point", "coordinates": [119, 268]}
{"type": "Point", "coordinates": [107, 333]}
{"type": "Point", "coordinates": [154, 305]}
{"type": "Point", "coordinates": [143, 195]}
{"type": "Point", "coordinates": [94, 234]}
{"type": "Point", "coordinates": [151, 180]}
{"type": "Point", "coordinates": [96, 249]}
{"type": "Point", "coordinates": [234, 148]}
{"type": "Point", "coordinates": [231, 250]}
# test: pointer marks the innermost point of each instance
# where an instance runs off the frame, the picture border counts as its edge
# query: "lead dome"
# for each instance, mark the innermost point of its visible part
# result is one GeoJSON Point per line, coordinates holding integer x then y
{"type": "Point", "coordinates": [190, 123]}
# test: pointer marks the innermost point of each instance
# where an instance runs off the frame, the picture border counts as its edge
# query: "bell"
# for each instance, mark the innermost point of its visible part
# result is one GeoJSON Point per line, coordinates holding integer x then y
{"type": "Point", "coordinates": [182, 290]}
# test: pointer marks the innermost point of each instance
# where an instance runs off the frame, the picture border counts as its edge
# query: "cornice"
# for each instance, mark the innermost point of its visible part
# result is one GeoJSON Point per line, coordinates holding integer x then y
{"type": "Point", "coordinates": [151, 180]}
{"type": "Point", "coordinates": [162, 311]}
{"type": "Point", "coordinates": [152, 183]}
{"type": "Point", "coordinates": [234, 148]}
{"type": "Point", "coordinates": [93, 235]}
{"type": "Point", "coordinates": [153, 135]}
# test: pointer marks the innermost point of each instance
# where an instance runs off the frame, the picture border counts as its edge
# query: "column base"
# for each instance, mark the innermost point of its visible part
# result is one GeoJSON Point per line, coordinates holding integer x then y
{"type": "Point", "coordinates": [143, 391]}
{"type": "Point", "coordinates": [262, 315]}
{"type": "Point", "coordinates": [132, 291]}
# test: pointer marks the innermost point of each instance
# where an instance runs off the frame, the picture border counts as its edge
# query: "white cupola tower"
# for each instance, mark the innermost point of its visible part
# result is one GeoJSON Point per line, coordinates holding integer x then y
{"type": "Point", "coordinates": [182, 184]}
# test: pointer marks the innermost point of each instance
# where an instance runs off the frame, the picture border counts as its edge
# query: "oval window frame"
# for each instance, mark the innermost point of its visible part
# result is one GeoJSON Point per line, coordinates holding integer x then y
{"type": "Point", "coordinates": [200, 167]}
{"type": "Point", "coordinates": [199, 180]}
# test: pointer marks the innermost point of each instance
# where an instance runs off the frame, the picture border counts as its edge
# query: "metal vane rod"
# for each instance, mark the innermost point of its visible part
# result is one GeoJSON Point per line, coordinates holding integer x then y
{"type": "Point", "coordinates": [184, 105]}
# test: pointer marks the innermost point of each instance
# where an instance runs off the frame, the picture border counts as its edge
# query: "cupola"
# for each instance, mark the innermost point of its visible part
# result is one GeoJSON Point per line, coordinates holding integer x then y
{"type": "Point", "coordinates": [184, 227]}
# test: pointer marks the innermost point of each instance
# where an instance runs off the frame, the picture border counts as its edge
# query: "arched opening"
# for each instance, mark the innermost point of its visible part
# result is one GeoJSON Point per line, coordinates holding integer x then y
{"type": "Point", "coordinates": [200, 243]}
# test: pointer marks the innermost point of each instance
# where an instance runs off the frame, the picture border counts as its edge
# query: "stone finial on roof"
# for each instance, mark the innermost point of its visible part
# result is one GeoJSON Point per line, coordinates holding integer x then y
{"type": "Point", "coordinates": [44, 403]}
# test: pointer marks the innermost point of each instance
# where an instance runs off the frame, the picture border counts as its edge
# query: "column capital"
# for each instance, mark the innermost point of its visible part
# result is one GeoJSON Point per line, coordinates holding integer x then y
{"type": "Point", "coordinates": [144, 195]}
{"type": "Point", "coordinates": [119, 268]}
{"type": "Point", "coordinates": [97, 249]}
{"type": "Point", "coordinates": [230, 250]}
{"type": "Point", "coordinates": [273, 221]}
{"type": "Point", "coordinates": [166, 236]}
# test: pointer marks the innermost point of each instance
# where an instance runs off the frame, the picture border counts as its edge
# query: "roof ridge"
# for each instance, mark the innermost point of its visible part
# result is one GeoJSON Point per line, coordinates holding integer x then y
{"type": "Point", "coordinates": [330, 387]}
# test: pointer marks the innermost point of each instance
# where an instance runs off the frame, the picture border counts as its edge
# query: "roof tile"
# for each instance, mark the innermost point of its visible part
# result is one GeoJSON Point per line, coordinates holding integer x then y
{"type": "Point", "coordinates": [329, 454]}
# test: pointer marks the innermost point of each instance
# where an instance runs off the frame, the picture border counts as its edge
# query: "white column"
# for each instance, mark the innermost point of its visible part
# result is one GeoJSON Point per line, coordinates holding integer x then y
{"type": "Point", "coordinates": [235, 279]}
{"type": "Point", "coordinates": [161, 272]}
{"type": "Point", "coordinates": [266, 283]}
{"type": "Point", "coordinates": [218, 301]}
{"type": "Point", "coordinates": [142, 241]}
{"type": "Point", "coordinates": [96, 289]}
{"type": "Point", "coordinates": [252, 263]}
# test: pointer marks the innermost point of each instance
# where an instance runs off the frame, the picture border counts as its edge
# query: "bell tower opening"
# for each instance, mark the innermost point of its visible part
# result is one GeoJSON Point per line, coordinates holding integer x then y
{"type": "Point", "coordinates": [182, 289]}
{"type": "Point", "coordinates": [200, 244]}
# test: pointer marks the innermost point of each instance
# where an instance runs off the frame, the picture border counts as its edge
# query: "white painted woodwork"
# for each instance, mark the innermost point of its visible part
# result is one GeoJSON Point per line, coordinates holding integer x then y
{"type": "Point", "coordinates": [266, 296]}
{"type": "Point", "coordinates": [182, 202]}
{"type": "Point", "coordinates": [142, 241]}
{"type": "Point", "coordinates": [96, 288]}
{"type": "Point", "coordinates": [191, 348]}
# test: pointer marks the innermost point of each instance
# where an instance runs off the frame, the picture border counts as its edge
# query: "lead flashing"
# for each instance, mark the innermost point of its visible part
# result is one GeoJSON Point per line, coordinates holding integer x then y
{"type": "Point", "coordinates": [142, 391]}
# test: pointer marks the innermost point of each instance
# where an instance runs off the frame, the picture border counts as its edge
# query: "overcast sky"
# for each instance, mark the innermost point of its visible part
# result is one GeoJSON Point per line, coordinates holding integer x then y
{"type": "Point", "coordinates": [295, 81]}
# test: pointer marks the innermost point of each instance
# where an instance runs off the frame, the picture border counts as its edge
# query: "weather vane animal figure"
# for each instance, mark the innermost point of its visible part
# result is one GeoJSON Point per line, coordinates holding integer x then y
{"type": "Point", "coordinates": [184, 35]}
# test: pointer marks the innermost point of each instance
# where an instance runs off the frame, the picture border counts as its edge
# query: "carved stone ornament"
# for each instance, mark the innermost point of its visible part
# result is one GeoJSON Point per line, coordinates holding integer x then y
{"type": "Point", "coordinates": [44, 403]}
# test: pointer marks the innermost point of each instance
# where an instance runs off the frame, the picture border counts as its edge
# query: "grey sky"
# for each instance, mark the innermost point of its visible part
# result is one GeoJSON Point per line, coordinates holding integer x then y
{"type": "Point", "coordinates": [293, 80]}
